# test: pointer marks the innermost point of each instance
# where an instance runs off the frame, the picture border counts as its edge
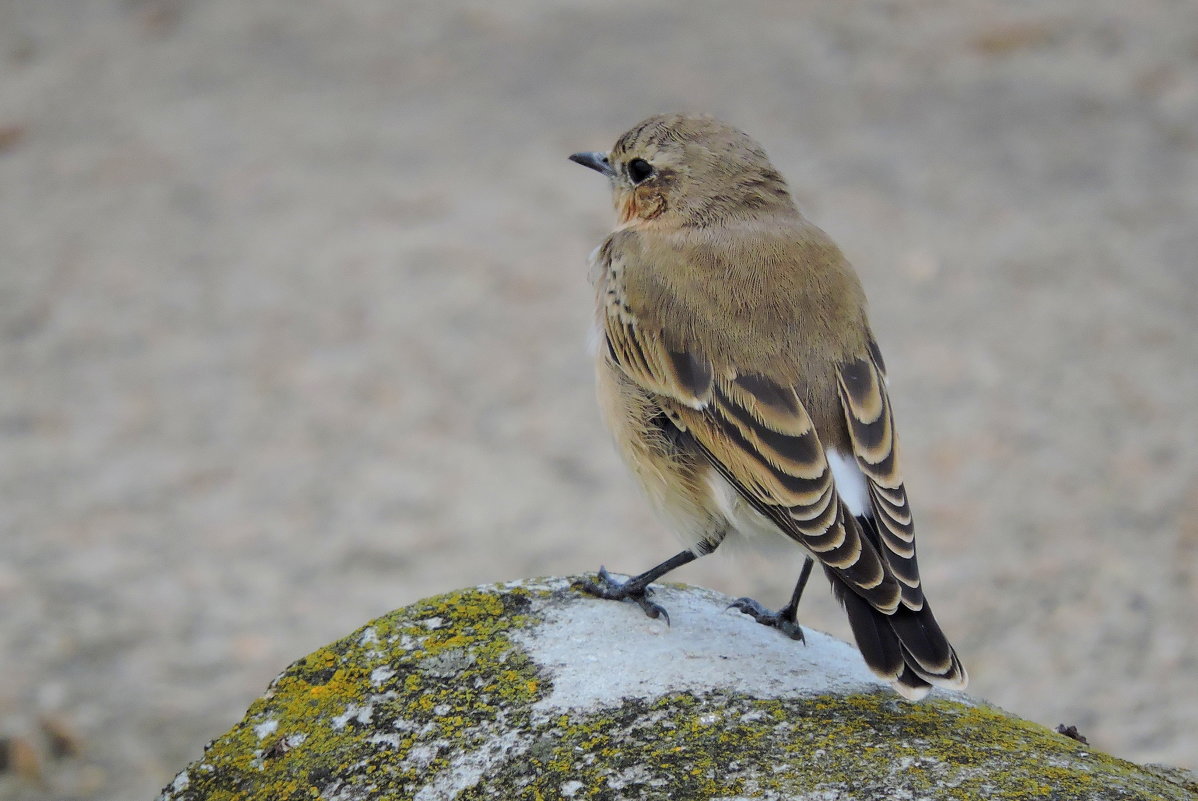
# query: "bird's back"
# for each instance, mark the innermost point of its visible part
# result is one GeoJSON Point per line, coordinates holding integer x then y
{"type": "Point", "coordinates": [791, 307]}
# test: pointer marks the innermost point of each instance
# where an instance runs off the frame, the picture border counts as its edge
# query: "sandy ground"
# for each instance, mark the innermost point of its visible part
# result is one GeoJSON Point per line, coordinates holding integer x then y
{"type": "Point", "coordinates": [293, 313]}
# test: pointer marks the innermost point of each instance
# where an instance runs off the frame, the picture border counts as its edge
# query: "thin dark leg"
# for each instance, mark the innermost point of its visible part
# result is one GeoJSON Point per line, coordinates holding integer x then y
{"type": "Point", "coordinates": [791, 610]}
{"type": "Point", "coordinates": [786, 619]}
{"type": "Point", "coordinates": [637, 588]}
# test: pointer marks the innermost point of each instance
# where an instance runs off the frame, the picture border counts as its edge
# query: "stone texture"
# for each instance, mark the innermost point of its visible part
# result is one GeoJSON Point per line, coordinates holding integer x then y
{"type": "Point", "coordinates": [532, 690]}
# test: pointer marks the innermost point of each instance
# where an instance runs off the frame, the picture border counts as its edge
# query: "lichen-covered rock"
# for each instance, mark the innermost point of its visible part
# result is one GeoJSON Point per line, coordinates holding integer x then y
{"type": "Point", "coordinates": [531, 690]}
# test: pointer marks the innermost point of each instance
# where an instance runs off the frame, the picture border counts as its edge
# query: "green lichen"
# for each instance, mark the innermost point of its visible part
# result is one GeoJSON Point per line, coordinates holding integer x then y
{"type": "Point", "coordinates": [443, 674]}
{"type": "Point", "coordinates": [441, 694]}
{"type": "Point", "coordinates": [856, 746]}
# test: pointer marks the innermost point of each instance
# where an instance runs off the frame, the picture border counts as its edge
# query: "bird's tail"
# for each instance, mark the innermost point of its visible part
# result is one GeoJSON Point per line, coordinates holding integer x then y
{"type": "Point", "coordinates": [907, 648]}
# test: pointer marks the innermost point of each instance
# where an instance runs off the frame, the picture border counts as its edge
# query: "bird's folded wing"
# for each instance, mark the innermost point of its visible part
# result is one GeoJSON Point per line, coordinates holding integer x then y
{"type": "Point", "coordinates": [757, 434]}
{"type": "Point", "coordinates": [871, 430]}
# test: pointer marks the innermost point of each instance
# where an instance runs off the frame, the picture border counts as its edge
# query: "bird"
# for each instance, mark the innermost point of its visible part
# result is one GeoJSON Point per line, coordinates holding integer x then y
{"type": "Point", "coordinates": [738, 374]}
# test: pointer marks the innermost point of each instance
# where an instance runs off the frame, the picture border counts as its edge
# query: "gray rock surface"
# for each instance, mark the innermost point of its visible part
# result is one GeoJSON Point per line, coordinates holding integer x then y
{"type": "Point", "coordinates": [293, 314]}
{"type": "Point", "coordinates": [535, 690]}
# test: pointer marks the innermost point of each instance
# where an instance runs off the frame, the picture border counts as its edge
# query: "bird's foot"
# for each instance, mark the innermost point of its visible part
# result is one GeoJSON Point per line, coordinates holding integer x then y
{"type": "Point", "coordinates": [783, 620]}
{"type": "Point", "coordinates": [614, 590]}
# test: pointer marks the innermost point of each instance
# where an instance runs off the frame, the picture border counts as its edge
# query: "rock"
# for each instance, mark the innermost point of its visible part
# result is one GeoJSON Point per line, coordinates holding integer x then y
{"type": "Point", "coordinates": [531, 690]}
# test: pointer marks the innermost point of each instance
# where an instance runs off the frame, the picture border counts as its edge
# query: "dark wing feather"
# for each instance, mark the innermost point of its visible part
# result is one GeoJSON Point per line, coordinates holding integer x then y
{"type": "Point", "coordinates": [926, 651]}
{"type": "Point", "coordinates": [758, 435]}
{"type": "Point", "coordinates": [646, 359]}
{"type": "Point", "coordinates": [871, 431]}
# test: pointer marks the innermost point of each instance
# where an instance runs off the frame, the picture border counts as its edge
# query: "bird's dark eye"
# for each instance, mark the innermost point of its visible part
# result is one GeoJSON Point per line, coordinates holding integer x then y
{"type": "Point", "coordinates": [639, 170]}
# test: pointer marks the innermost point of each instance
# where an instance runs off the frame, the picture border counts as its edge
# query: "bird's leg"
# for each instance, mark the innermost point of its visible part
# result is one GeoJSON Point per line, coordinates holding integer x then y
{"type": "Point", "coordinates": [637, 588]}
{"type": "Point", "coordinates": [786, 619]}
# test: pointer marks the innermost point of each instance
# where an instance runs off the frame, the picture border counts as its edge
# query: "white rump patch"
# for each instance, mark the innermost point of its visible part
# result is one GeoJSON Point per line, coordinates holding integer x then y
{"type": "Point", "coordinates": [850, 484]}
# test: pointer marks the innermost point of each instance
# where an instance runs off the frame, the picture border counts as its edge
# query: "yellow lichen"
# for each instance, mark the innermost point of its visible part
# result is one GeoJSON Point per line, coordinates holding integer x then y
{"type": "Point", "coordinates": [446, 675]}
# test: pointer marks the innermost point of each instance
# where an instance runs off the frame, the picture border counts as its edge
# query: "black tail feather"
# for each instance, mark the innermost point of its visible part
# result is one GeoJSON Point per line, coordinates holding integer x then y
{"type": "Point", "coordinates": [907, 647]}
{"type": "Point", "coordinates": [875, 638]}
{"type": "Point", "coordinates": [911, 684]}
{"type": "Point", "coordinates": [922, 640]}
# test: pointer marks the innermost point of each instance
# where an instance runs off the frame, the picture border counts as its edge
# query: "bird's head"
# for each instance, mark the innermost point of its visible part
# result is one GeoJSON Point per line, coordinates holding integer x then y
{"type": "Point", "coordinates": [688, 170]}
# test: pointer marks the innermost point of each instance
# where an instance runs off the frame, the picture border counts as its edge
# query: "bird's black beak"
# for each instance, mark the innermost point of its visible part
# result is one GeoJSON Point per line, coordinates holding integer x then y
{"type": "Point", "coordinates": [595, 160]}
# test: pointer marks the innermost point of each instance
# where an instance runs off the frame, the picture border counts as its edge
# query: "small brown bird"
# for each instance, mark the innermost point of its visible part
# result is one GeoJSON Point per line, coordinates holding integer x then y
{"type": "Point", "coordinates": [737, 371]}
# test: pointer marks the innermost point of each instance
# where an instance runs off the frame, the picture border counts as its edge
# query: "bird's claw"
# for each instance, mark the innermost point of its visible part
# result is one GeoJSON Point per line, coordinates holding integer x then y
{"type": "Point", "coordinates": [781, 620]}
{"type": "Point", "coordinates": [612, 589]}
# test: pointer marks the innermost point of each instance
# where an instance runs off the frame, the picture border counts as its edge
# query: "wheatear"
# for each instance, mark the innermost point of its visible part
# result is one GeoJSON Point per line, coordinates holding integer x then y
{"type": "Point", "coordinates": [737, 371]}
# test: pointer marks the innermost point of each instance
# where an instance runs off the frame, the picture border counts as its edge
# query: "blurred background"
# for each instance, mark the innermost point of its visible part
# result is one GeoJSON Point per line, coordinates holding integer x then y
{"type": "Point", "coordinates": [293, 313]}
